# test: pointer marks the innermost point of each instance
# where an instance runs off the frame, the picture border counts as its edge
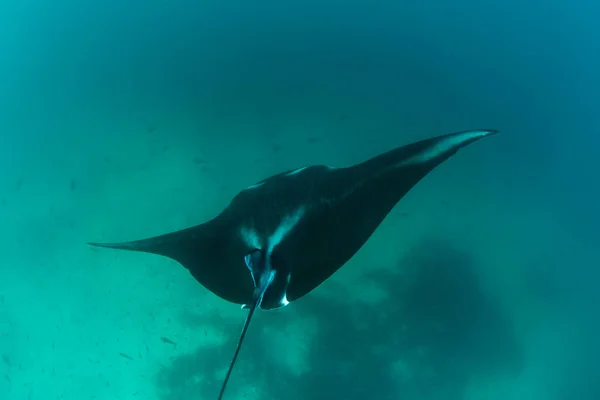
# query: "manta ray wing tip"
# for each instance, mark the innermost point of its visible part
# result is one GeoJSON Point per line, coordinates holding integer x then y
{"type": "Point", "coordinates": [489, 132]}
{"type": "Point", "coordinates": [117, 246]}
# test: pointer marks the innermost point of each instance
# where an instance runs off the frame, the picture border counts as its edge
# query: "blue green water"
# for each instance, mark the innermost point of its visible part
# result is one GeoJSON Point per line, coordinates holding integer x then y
{"type": "Point", "coordinates": [126, 119]}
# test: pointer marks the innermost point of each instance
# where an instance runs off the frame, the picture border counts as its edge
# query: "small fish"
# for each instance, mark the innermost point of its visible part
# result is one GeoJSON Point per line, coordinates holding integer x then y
{"type": "Point", "coordinates": [73, 185]}
{"type": "Point", "coordinates": [125, 356]}
{"type": "Point", "coordinates": [6, 360]}
{"type": "Point", "coordinates": [167, 340]}
{"type": "Point", "coordinates": [446, 205]}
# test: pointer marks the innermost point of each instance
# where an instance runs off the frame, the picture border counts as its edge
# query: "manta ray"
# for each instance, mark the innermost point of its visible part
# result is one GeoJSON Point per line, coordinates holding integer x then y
{"type": "Point", "coordinates": [282, 237]}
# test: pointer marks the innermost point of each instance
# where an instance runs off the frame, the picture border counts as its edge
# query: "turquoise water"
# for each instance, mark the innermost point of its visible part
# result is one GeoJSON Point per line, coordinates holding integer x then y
{"type": "Point", "coordinates": [125, 119]}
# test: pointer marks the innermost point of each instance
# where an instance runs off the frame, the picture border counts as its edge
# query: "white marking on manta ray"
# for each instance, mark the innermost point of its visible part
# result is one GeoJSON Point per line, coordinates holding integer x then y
{"type": "Point", "coordinates": [250, 237]}
{"type": "Point", "coordinates": [291, 173]}
{"type": "Point", "coordinates": [248, 261]}
{"type": "Point", "coordinates": [284, 301]}
{"type": "Point", "coordinates": [296, 171]}
{"type": "Point", "coordinates": [255, 186]}
{"type": "Point", "coordinates": [444, 146]}
{"type": "Point", "coordinates": [286, 225]}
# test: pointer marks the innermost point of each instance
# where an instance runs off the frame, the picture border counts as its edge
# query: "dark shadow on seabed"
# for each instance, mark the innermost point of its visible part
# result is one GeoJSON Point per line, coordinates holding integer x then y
{"type": "Point", "coordinates": [438, 322]}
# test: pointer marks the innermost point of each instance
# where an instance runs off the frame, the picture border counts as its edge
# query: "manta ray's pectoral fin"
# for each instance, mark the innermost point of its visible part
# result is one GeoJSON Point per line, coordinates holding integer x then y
{"type": "Point", "coordinates": [262, 277]}
{"type": "Point", "coordinates": [206, 252]}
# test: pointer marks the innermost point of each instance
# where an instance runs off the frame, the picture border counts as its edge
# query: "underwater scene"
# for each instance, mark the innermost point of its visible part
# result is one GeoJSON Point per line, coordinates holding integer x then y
{"type": "Point", "coordinates": [299, 200]}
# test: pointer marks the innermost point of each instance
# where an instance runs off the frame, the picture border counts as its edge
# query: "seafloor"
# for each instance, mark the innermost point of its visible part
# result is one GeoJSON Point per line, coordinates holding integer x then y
{"type": "Point", "coordinates": [442, 302]}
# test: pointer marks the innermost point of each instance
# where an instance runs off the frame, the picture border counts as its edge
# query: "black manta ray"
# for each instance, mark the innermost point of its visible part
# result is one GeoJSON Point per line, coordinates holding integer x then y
{"type": "Point", "coordinates": [284, 236]}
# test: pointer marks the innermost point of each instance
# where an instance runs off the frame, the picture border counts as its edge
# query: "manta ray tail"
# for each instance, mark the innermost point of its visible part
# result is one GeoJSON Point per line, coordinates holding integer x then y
{"type": "Point", "coordinates": [262, 276]}
{"type": "Point", "coordinates": [237, 349]}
